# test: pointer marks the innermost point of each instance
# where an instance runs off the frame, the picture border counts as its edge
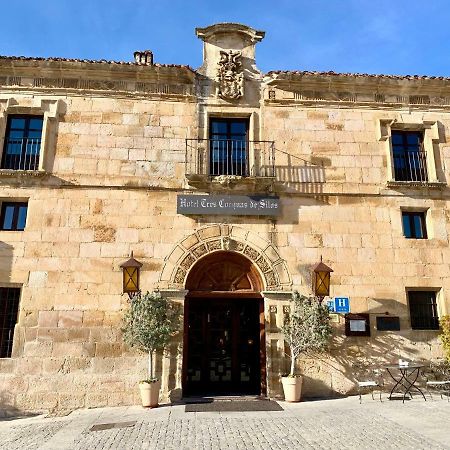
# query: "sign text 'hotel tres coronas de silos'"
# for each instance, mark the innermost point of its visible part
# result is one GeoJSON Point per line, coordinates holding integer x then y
{"type": "Point", "coordinates": [242, 205]}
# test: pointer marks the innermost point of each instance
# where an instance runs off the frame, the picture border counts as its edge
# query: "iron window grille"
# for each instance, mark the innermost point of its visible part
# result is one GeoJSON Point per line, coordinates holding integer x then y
{"type": "Point", "coordinates": [410, 159]}
{"type": "Point", "coordinates": [22, 142]}
{"type": "Point", "coordinates": [414, 225]}
{"type": "Point", "coordinates": [13, 216]}
{"type": "Point", "coordinates": [423, 310]}
{"type": "Point", "coordinates": [9, 307]}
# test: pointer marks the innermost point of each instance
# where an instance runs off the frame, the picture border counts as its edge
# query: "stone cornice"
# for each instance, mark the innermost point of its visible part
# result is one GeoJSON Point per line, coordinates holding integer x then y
{"type": "Point", "coordinates": [68, 75]}
{"type": "Point", "coordinates": [380, 90]}
{"type": "Point", "coordinates": [207, 33]}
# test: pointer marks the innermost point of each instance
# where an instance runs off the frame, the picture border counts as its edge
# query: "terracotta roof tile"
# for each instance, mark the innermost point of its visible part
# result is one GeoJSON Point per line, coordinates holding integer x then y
{"type": "Point", "coordinates": [91, 61]}
{"type": "Point", "coordinates": [356, 75]}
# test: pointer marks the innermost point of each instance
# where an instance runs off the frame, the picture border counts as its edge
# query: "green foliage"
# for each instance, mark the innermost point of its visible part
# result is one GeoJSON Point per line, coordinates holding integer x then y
{"type": "Point", "coordinates": [445, 336]}
{"type": "Point", "coordinates": [149, 323]}
{"type": "Point", "coordinates": [307, 327]}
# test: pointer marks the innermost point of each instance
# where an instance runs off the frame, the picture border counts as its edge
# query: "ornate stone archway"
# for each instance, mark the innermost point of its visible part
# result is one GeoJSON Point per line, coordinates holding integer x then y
{"type": "Point", "coordinates": [212, 238]}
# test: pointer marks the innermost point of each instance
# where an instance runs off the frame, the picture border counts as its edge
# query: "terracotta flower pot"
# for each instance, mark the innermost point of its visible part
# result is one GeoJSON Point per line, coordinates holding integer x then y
{"type": "Point", "coordinates": [150, 393]}
{"type": "Point", "coordinates": [292, 387]}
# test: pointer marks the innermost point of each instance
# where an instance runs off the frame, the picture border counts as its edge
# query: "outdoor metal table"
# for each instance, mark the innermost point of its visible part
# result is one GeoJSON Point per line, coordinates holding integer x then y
{"type": "Point", "coordinates": [406, 381]}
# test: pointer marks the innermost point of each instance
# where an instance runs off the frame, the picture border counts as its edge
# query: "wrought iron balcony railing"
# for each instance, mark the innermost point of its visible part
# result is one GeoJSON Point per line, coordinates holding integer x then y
{"type": "Point", "coordinates": [21, 154]}
{"type": "Point", "coordinates": [213, 157]}
{"type": "Point", "coordinates": [410, 166]}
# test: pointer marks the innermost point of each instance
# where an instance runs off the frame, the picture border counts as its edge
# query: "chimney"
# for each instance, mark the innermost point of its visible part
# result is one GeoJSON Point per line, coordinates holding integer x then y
{"type": "Point", "coordinates": [144, 57]}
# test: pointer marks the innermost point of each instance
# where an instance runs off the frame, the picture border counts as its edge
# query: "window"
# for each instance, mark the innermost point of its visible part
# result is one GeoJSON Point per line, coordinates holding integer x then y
{"type": "Point", "coordinates": [13, 216]}
{"type": "Point", "coordinates": [22, 142]}
{"type": "Point", "coordinates": [9, 306]}
{"type": "Point", "coordinates": [228, 151]}
{"type": "Point", "coordinates": [410, 161]}
{"type": "Point", "coordinates": [414, 225]}
{"type": "Point", "coordinates": [357, 325]}
{"type": "Point", "coordinates": [423, 310]}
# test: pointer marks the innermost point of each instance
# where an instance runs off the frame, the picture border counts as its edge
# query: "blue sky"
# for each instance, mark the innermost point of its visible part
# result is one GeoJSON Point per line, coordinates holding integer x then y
{"type": "Point", "coordinates": [366, 36]}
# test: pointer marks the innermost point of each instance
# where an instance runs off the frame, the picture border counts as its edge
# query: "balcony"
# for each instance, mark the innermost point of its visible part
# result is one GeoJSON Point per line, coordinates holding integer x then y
{"type": "Point", "coordinates": [21, 154]}
{"type": "Point", "coordinates": [229, 161]}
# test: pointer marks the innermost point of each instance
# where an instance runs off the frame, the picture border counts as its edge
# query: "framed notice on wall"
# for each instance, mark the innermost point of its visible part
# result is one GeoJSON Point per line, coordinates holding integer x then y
{"type": "Point", "coordinates": [357, 324]}
{"type": "Point", "coordinates": [388, 323]}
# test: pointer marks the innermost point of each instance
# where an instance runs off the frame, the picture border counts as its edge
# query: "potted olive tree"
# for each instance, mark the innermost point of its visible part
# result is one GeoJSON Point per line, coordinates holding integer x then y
{"type": "Point", "coordinates": [306, 329]}
{"type": "Point", "coordinates": [148, 325]}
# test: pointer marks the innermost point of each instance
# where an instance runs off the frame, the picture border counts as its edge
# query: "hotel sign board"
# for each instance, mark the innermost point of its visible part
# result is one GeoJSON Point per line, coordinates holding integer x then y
{"type": "Point", "coordinates": [231, 205]}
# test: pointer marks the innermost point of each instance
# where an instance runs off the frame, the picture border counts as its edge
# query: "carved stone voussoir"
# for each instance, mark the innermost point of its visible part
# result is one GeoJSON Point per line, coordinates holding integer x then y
{"type": "Point", "coordinates": [215, 245]}
{"type": "Point", "coordinates": [251, 253]}
{"type": "Point", "coordinates": [200, 250]}
{"type": "Point", "coordinates": [230, 79]}
{"type": "Point", "coordinates": [179, 276]}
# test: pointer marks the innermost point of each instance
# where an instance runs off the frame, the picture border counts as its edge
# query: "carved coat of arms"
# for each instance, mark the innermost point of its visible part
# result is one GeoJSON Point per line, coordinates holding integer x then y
{"type": "Point", "coordinates": [230, 78]}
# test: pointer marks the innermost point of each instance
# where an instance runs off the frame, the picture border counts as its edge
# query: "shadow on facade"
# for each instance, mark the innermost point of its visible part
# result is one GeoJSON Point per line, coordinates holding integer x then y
{"type": "Point", "coordinates": [7, 408]}
{"type": "Point", "coordinates": [437, 154]}
{"type": "Point", "coordinates": [298, 175]}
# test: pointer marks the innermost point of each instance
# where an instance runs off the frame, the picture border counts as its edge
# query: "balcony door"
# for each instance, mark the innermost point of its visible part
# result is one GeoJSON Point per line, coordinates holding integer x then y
{"type": "Point", "coordinates": [410, 159]}
{"type": "Point", "coordinates": [228, 151]}
{"type": "Point", "coordinates": [22, 143]}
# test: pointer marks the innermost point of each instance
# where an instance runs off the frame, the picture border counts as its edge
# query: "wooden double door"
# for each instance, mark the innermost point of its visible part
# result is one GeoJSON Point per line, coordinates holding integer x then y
{"type": "Point", "coordinates": [223, 345]}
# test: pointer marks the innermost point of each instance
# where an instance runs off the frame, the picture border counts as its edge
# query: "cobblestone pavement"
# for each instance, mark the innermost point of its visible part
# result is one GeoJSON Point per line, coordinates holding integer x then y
{"type": "Point", "coordinates": [325, 424]}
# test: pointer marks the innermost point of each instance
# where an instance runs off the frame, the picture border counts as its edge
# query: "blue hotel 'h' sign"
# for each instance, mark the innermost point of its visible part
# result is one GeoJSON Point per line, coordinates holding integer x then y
{"type": "Point", "coordinates": [342, 305]}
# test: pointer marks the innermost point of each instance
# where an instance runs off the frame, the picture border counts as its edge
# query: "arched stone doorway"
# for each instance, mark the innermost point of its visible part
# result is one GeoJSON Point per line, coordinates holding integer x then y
{"type": "Point", "coordinates": [224, 341]}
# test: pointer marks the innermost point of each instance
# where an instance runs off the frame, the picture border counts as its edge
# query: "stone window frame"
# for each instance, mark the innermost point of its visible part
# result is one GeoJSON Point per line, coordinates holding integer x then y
{"type": "Point", "coordinates": [49, 109]}
{"type": "Point", "coordinates": [430, 131]}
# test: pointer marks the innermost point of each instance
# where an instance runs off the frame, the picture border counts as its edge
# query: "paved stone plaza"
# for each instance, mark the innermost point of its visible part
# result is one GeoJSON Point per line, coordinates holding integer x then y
{"type": "Point", "coordinates": [325, 424]}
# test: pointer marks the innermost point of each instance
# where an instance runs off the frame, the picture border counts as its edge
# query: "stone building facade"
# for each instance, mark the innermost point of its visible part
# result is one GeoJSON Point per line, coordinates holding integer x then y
{"type": "Point", "coordinates": [167, 162]}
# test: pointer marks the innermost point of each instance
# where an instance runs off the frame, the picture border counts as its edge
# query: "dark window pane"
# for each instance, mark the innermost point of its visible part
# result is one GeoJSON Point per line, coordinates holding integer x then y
{"type": "Point", "coordinates": [14, 147]}
{"type": "Point", "coordinates": [36, 123]}
{"type": "Point", "coordinates": [34, 134]}
{"type": "Point", "coordinates": [238, 128]}
{"type": "Point", "coordinates": [413, 139]}
{"type": "Point", "coordinates": [397, 139]}
{"type": "Point", "coordinates": [8, 218]}
{"type": "Point", "coordinates": [22, 217]}
{"type": "Point", "coordinates": [18, 123]}
{"type": "Point", "coordinates": [16, 134]}
{"type": "Point", "coordinates": [219, 127]}
{"type": "Point", "coordinates": [406, 226]}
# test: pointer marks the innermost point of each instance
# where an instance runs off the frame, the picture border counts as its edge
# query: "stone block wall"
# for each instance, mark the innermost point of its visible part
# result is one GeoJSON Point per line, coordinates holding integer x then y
{"type": "Point", "coordinates": [115, 165]}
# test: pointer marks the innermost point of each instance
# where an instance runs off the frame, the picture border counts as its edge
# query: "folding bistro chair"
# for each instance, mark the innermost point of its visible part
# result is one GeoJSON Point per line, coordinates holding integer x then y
{"type": "Point", "coordinates": [437, 378]}
{"type": "Point", "coordinates": [367, 379]}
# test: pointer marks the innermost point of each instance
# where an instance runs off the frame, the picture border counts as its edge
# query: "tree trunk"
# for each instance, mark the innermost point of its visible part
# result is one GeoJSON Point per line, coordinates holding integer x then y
{"type": "Point", "coordinates": [150, 365]}
{"type": "Point", "coordinates": [292, 364]}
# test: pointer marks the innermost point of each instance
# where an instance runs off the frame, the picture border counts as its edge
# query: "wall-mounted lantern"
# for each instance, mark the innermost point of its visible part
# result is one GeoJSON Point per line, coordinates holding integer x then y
{"type": "Point", "coordinates": [131, 269]}
{"type": "Point", "coordinates": [321, 279]}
